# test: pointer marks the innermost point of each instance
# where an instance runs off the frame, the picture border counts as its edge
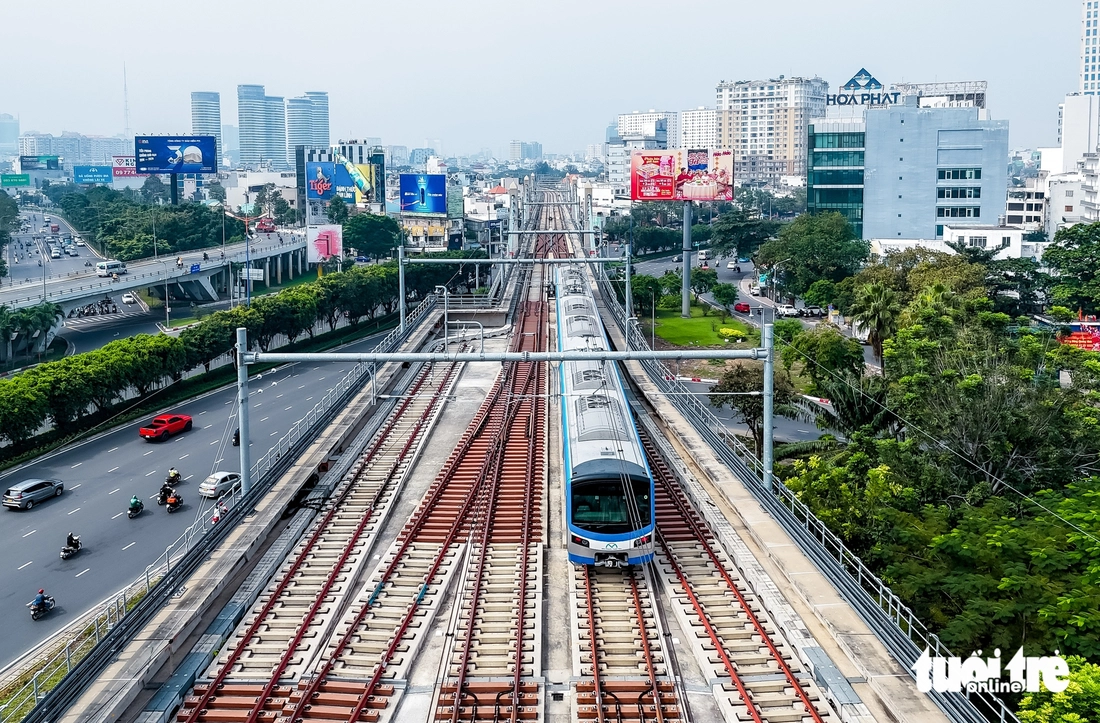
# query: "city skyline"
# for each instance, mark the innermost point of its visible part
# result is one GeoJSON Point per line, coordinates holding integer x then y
{"type": "Point", "coordinates": [479, 99]}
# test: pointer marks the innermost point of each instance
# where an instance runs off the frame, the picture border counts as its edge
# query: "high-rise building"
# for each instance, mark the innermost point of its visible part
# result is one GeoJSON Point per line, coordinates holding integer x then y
{"type": "Point", "coordinates": [645, 124]}
{"type": "Point", "coordinates": [206, 118]}
{"type": "Point", "coordinates": [525, 151]}
{"type": "Point", "coordinates": [766, 122]}
{"type": "Point", "coordinates": [419, 156]}
{"type": "Point", "coordinates": [1090, 20]}
{"type": "Point", "coordinates": [645, 135]}
{"type": "Point", "coordinates": [75, 149]}
{"type": "Point", "coordinates": [698, 129]}
{"type": "Point", "coordinates": [261, 120]}
{"type": "Point", "coordinates": [397, 156]}
{"type": "Point", "coordinates": [9, 135]}
{"type": "Point", "coordinates": [307, 121]}
{"type": "Point", "coordinates": [906, 172]}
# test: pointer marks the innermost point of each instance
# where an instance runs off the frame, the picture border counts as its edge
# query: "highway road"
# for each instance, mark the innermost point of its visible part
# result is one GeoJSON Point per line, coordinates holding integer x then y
{"type": "Point", "coordinates": [100, 475]}
{"type": "Point", "coordinates": [30, 247]}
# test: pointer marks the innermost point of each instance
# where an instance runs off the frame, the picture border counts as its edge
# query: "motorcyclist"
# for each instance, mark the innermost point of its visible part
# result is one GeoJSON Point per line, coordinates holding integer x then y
{"type": "Point", "coordinates": [72, 541]}
{"type": "Point", "coordinates": [173, 475]}
{"type": "Point", "coordinates": [134, 502]}
{"type": "Point", "coordinates": [40, 599]}
{"type": "Point", "coordinates": [173, 499]}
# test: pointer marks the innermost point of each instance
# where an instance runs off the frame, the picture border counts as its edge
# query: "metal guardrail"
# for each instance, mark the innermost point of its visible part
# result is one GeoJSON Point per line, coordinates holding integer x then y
{"type": "Point", "coordinates": [55, 678]}
{"type": "Point", "coordinates": [895, 625]}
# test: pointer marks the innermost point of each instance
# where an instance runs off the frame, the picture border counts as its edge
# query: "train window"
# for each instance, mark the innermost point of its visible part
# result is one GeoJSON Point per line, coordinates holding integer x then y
{"type": "Point", "coordinates": [601, 506]}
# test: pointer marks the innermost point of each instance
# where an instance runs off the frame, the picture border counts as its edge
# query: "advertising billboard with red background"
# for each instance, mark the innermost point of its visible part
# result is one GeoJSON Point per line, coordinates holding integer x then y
{"type": "Point", "coordinates": [679, 174]}
{"type": "Point", "coordinates": [122, 166]}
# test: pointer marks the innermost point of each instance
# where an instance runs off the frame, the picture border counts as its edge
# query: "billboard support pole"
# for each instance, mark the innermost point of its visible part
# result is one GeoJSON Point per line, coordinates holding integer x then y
{"type": "Point", "coordinates": [175, 193]}
{"type": "Point", "coordinates": [401, 283]}
{"type": "Point", "coordinates": [769, 400]}
{"type": "Point", "coordinates": [685, 301]}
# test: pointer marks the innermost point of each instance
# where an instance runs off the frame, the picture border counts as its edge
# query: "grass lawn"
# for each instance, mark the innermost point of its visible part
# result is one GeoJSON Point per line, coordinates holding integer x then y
{"type": "Point", "coordinates": [699, 330]}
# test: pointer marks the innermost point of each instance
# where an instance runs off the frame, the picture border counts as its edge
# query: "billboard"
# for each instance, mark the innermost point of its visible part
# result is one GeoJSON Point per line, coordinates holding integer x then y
{"type": "Point", "coordinates": [324, 242]}
{"type": "Point", "coordinates": [14, 180]}
{"type": "Point", "coordinates": [92, 174]}
{"type": "Point", "coordinates": [39, 163]}
{"type": "Point", "coordinates": [423, 193]}
{"type": "Point", "coordinates": [679, 174]}
{"type": "Point", "coordinates": [123, 166]}
{"type": "Point", "coordinates": [367, 170]}
{"type": "Point", "coordinates": [175, 154]}
{"type": "Point", "coordinates": [320, 181]}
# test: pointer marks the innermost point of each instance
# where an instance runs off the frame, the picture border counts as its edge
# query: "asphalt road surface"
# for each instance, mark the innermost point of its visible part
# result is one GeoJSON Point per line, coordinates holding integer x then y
{"type": "Point", "coordinates": [100, 476]}
{"type": "Point", "coordinates": [27, 249]}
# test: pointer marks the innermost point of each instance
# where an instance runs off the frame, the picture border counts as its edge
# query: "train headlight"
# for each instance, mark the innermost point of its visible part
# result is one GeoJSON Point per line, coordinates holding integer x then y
{"type": "Point", "coordinates": [577, 540]}
{"type": "Point", "coordinates": [642, 541]}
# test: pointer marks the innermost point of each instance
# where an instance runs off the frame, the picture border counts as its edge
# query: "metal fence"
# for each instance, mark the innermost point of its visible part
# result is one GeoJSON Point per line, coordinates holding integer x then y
{"type": "Point", "coordinates": [25, 687]}
{"type": "Point", "coordinates": [905, 636]}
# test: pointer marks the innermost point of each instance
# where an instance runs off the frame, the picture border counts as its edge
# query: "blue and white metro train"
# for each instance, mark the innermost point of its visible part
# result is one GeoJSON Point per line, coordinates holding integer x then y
{"type": "Point", "coordinates": [608, 483]}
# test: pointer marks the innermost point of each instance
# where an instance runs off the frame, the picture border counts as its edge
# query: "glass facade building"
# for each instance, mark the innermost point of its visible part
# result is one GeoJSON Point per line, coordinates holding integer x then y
{"type": "Point", "coordinates": [835, 170]}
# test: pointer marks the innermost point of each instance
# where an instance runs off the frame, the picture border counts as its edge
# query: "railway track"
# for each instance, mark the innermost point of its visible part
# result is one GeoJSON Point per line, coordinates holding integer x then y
{"type": "Point", "coordinates": [755, 677]}
{"type": "Point", "coordinates": [281, 636]}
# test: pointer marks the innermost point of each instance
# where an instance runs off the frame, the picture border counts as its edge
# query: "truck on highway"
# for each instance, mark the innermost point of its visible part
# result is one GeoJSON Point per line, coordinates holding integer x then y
{"type": "Point", "coordinates": [54, 228]}
{"type": "Point", "coordinates": [265, 225]}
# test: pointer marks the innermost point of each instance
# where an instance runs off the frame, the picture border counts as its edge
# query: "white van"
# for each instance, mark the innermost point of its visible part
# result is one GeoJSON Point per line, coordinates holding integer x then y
{"type": "Point", "coordinates": [704, 255]}
{"type": "Point", "coordinates": [109, 267]}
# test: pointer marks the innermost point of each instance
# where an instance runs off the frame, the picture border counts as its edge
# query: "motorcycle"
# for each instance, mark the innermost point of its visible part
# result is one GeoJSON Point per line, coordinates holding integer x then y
{"type": "Point", "coordinates": [174, 503]}
{"type": "Point", "coordinates": [173, 478]}
{"type": "Point", "coordinates": [237, 437]}
{"type": "Point", "coordinates": [163, 495]}
{"type": "Point", "coordinates": [67, 552]}
{"type": "Point", "coordinates": [133, 511]}
{"type": "Point", "coordinates": [38, 611]}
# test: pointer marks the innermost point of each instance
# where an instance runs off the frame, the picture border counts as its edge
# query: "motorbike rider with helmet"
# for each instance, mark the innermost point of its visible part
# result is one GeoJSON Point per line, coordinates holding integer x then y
{"type": "Point", "coordinates": [134, 502]}
{"type": "Point", "coordinates": [72, 542]}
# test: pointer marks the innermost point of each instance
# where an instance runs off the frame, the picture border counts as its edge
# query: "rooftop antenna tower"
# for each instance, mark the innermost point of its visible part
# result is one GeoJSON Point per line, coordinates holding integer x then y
{"type": "Point", "coordinates": [125, 101]}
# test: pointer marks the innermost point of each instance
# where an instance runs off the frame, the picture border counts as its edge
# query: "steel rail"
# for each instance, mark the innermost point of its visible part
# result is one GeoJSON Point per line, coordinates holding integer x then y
{"type": "Point", "coordinates": [650, 665]}
{"type": "Point", "coordinates": [597, 685]}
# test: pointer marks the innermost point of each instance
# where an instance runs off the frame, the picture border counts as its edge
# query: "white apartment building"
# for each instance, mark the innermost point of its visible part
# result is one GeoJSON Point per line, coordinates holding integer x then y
{"type": "Point", "coordinates": [1008, 241]}
{"type": "Point", "coordinates": [1064, 199]}
{"type": "Point", "coordinates": [698, 128]}
{"type": "Point", "coordinates": [765, 122]}
{"type": "Point", "coordinates": [645, 124]}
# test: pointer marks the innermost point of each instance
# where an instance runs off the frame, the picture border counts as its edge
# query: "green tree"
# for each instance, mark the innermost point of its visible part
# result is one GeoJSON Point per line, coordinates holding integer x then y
{"type": "Point", "coordinates": [372, 235]}
{"type": "Point", "coordinates": [726, 295]}
{"type": "Point", "coordinates": [23, 409]}
{"type": "Point", "coordinates": [703, 280]}
{"type": "Point", "coordinates": [876, 309]}
{"type": "Point", "coordinates": [215, 191]}
{"type": "Point", "coordinates": [1072, 261]}
{"type": "Point", "coordinates": [1078, 703]}
{"type": "Point", "coordinates": [337, 210]}
{"type": "Point", "coordinates": [154, 190]}
{"type": "Point", "coordinates": [740, 387]}
{"type": "Point", "coordinates": [825, 353]}
{"type": "Point", "coordinates": [735, 233]}
{"type": "Point", "coordinates": [821, 293]}
{"type": "Point", "coordinates": [814, 247]}
{"type": "Point", "coordinates": [283, 213]}
{"type": "Point", "coordinates": [646, 292]}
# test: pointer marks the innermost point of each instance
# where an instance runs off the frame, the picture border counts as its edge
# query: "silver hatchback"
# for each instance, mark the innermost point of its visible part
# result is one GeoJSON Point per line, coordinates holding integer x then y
{"type": "Point", "coordinates": [26, 494]}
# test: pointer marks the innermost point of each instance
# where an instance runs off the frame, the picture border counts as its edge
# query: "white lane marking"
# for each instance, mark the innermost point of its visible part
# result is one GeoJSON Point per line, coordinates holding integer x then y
{"type": "Point", "coordinates": [279, 397]}
{"type": "Point", "coordinates": [229, 402]}
{"type": "Point", "coordinates": [148, 453]}
{"type": "Point", "coordinates": [75, 486]}
{"type": "Point", "coordinates": [76, 510]}
{"type": "Point", "coordinates": [116, 489]}
{"type": "Point", "coordinates": [804, 431]}
{"type": "Point", "coordinates": [213, 443]}
{"type": "Point", "coordinates": [120, 514]}
{"type": "Point", "coordinates": [83, 571]}
{"type": "Point", "coordinates": [76, 465]}
{"type": "Point", "coordinates": [302, 387]}
{"type": "Point", "coordinates": [153, 472]}
{"type": "Point", "coordinates": [308, 398]}
{"type": "Point", "coordinates": [188, 477]}
{"type": "Point", "coordinates": [23, 565]}
{"type": "Point", "coordinates": [289, 408]}
{"type": "Point", "coordinates": [112, 449]}
{"type": "Point", "coordinates": [222, 459]}
{"type": "Point", "coordinates": [130, 545]}
{"type": "Point", "coordinates": [321, 379]}
{"type": "Point", "coordinates": [258, 405]}
{"type": "Point", "coordinates": [201, 413]}
{"type": "Point", "coordinates": [273, 433]}
{"type": "Point", "coordinates": [265, 419]}
{"type": "Point", "coordinates": [112, 469]}
{"type": "Point", "coordinates": [185, 456]}
{"type": "Point", "coordinates": [30, 533]}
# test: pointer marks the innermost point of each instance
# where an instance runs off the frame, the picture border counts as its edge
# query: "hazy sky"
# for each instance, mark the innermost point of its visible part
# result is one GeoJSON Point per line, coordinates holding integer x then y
{"type": "Point", "coordinates": [476, 74]}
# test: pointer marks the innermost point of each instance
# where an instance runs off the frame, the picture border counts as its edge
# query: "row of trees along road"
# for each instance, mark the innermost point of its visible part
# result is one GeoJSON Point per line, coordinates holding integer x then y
{"type": "Point", "coordinates": [62, 393]}
{"type": "Point", "coordinates": [965, 473]}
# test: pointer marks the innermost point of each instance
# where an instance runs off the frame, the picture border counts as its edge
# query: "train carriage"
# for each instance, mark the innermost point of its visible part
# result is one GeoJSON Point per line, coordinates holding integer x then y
{"type": "Point", "coordinates": [608, 484]}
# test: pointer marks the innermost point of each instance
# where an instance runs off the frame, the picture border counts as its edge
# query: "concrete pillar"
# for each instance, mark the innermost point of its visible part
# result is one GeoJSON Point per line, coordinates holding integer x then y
{"type": "Point", "coordinates": [279, 268]}
{"type": "Point", "coordinates": [267, 271]}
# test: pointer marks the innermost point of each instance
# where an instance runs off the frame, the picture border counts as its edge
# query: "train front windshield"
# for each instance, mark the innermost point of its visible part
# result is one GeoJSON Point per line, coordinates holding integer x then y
{"type": "Point", "coordinates": [601, 506]}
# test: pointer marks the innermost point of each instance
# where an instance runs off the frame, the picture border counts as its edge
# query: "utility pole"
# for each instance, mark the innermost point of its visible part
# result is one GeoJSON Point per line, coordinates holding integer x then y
{"type": "Point", "coordinates": [685, 290]}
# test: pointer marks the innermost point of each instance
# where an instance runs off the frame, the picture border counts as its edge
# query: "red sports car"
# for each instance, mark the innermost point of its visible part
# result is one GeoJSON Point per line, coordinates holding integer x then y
{"type": "Point", "coordinates": [164, 426]}
{"type": "Point", "coordinates": [741, 307]}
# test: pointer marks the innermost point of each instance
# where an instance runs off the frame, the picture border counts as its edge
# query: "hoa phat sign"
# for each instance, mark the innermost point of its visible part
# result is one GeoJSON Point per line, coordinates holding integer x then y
{"type": "Point", "coordinates": [863, 89]}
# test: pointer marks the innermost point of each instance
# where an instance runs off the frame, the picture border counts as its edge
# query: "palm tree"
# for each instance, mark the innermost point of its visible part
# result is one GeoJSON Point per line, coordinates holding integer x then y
{"type": "Point", "coordinates": [876, 309]}
{"type": "Point", "coordinates": [931, 307]}
{"type": "Point", "coordinates": [24, 323]}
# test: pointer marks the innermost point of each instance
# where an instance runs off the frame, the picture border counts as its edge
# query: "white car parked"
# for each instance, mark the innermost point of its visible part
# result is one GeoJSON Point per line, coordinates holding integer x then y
{"type": "Point", "coordinates": [786, 310]}
{"type": "Point", "coordinates": [128, 298]}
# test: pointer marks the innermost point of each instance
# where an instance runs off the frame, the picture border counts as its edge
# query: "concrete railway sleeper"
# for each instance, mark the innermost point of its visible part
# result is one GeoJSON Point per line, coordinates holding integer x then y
{"type": "Point", "coordinates": [756, 680]}
{"type": "Point", "coordinates": [289, 612]}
